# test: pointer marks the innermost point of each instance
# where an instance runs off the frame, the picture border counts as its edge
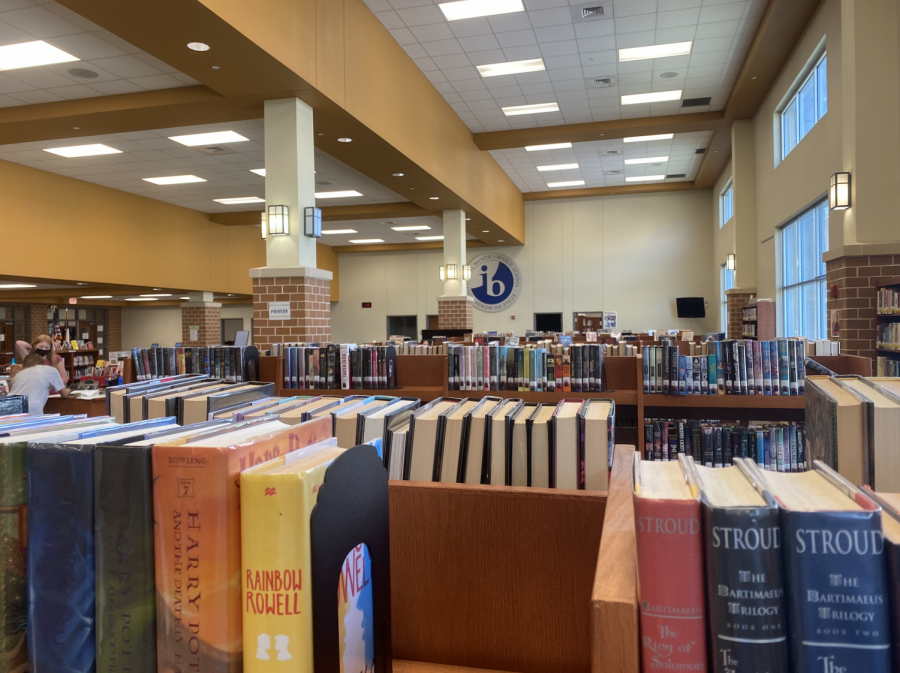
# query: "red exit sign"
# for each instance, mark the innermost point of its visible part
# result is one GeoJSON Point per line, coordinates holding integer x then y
{"type": "Point", "coordinates": [367, 304]}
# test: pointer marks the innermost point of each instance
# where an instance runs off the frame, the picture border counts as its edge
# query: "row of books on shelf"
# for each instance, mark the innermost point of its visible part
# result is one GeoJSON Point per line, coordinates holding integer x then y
{"type": "Point", "coordinates": [749, 313]}
{"type": "Point", "coordinates": [346, 366]}
{"type": "Point", "coordinates": [887, 336]}
{"type": "Point", "coordinates": [62, 345]}
{"type": "Point", "coordinates": [777, 446]}
{"type": "Point", "coordinates": [888, 302]}
{"type": "Point", "coordinates": [732, 367]}
{"type": "Point", "coordinates": [83, 360]}
{"type": "Point", "coordinates": [885, 366]}
{"type": "Point", "coordinates": [741, 569]}
{"type": "Point", "coordinates": [232, 363]}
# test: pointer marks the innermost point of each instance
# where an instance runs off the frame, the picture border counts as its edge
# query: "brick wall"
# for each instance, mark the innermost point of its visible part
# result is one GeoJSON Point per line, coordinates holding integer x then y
{"type": "Point", "coordinates": [114, 338]}
{"type": "Point", "coordinates": [310, 319]}
{"type": "Point", "coordinates": [455, 313]}
{"type": "Point", "coordinates": [737, 302]}
{"type": "Point", "coordinates": [38, 320]}
{"type": "Point", "coordinates": [207, 318]}
{"type": "Point", "coordinates": [855, 278]}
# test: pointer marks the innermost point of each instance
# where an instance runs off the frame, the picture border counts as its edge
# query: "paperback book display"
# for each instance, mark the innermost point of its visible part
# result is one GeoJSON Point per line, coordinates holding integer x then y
{"type": "Point", "coordinates": [776, 446]}
{"type": "Point", "coordinates": [232, 363]}
{"type": "Point", "coordinates": [338, 366]}
{"type": "Point", "coordinates": [780, 571]}
{"type": "Point", "coordinates": [727, 368]}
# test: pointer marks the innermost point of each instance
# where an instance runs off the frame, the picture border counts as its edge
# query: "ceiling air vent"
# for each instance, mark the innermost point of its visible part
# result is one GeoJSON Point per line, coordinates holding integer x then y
{"type": "Point", "coordinates": [591, 12]}
{"type": "Point", "coordinates": [612, 153]}
{"type": "Point", "coordinates": [695, 102]}
{"type": "Point", "coordinates": [215, 150]}
{"type": "Point", "coordinates": [614, 172]}
{"type": "Point", "coordinates": [598, 10]}
{"type": "Point", "coordinates": [601, 82]}
{"type": "Point", "coordinates": [702, 150]}
{"type": "Point", "coordinates": [675, 175]}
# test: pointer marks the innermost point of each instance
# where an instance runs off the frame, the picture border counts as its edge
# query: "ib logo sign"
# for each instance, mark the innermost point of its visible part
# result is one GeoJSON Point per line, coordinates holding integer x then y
{"type": "Point", "coordinates": [496, 282]}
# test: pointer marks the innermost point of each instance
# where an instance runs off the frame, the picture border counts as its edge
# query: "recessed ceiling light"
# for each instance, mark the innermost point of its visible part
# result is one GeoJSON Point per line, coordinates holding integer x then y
{"type": "Point", "coordinates": [174, 180]}
{"type": "Point", "coordinates": [195, 139]}
{"type": "Point", "coordinates": [345, 140]}
{"type": "Point", "coordinates": [653, 97]}
{"type": "Point", "coordinates": [15, 286]}
{"type": "Point", "coordinates": [83, 151]}
{"type": "Point", "coordinates": [30, 54]}
{"type": "Point", "coordinates": [558, 167]}
{"type": "Point", "coordinates": [511, 67]}
{"type": "Point", "coordinates": [215, 67]}
{"type": "Point", "coordinates": [645, 178]}
{"type": "Point", "coordinates": [429, 238]}
{"type": "Point", "coordinates": [83, 73]}
{"type": "Point", "coordinates": [240, 199]}
{"type": "Point", "coordinates": [339, 231]}
{"type": "Point", "coordinates": [230, 295]}
{"type": "Point", "coordinates": [156, 295]}
{"type": "Point", "coordinates": [468, 218]}
{"type": "Point", "coordinates": [397, 175]}
{"type": "Point", "coordinates": [367, 240]}
{"type": "Point", "coordinates": [140, 299]}
{"type": "Point", "coordinates": [259, 171]}
{"type": "Point", "coordinates": [97, 296]}
{"type": "Point", "coordinates": [187, 298]}
{"type": "Point", "coordinates": [198, 46]}
{"type": "Point", "coordinates": [655, 51]}
{"type": "Point", "coordinates": [469, 9]}
{"type": "Point", "coordinates": [433, 198]}
{"type": "Point", "coordinates": [157, 289]}
{"type": "Point", "coordinates": [648, 160]}
{"type": "Point", "coordinates": [641, 139]}
{"type": "Point", "coordinates": [345, 194]}
{"type": "Point", "coordinates": [499, 240]}
{"type": "Point", "coordinates": [537, 108]}
{"type": "Point", "coordinates": [567, 183]}
{"type": "Point", "coordinates": [418, 227]}
{"type": "Point", "coordinates": [81, 283]}
{"type": "Point", "coordinates": [486, 231]}
{"type": "Point", "coordinates": [551, 146]}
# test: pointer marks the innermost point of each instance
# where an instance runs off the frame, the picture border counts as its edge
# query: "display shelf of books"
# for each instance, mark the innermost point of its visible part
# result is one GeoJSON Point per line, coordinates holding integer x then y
{"type": "Point", "coordinates": [887, 328]}
{"type": "Point", "coordinates": [78, 363]}
{"type": "Point", "coordinates": [758, 321]}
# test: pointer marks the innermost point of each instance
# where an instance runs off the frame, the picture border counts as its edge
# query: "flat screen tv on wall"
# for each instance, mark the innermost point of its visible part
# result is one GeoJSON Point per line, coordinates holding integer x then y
{"type": "Point", "coordinates": [691, 307]}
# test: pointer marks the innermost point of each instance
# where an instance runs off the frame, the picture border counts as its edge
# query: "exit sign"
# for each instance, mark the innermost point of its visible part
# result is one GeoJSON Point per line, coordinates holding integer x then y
{"type": "Point", "coordinates": [367, 304]}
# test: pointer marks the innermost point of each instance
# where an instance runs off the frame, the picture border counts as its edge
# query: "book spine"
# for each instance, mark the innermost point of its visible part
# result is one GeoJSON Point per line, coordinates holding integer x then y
{"type": "Point", "coordinates": [648, 441]}
{"type": "Point", "coordinates": [672, 613]}
{"type": "Point", "coordinates": [695, 370]}
{"type": "Point", "coordinates": [742, 366]}
{"type": "Point", "coordinates": [682, 374]}
{"type": "Point", "coordinates": [704, 375]}
{"type": "Point", "coordinates": [675, 357]}
{"type": "Point", "coordinates": [645, 361]}
{"type": "Point", "coordinates": [567, 373]}
{"type": "Point", "coordinates": [751, 372]}
{"type": "Point", "coordinates": [794, 355]}
{"type": "Point", "coordinates": [708, 445]}
{"type": "Point", "coordinates": [13, 537]}
{"type": "Point", "coordinates": [745, 589]}
{"type": "Point", "coordinates": [837, 592]}
{"type": "Point", "coordinates": [729, 367]}
{"type": "Point", "coordinates": [718, 448]}
{"type": "Point", "coordinates": [784, 367]}
{"type": "Point", "coordinates": [667, 370]}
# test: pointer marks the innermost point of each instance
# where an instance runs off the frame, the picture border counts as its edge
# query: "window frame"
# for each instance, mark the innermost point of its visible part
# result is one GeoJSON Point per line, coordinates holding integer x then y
{"type": "Point", "coordinates": [816, 283]}
{"type": "Point", "coordinates": [726, 282]}
{"type": "Point", "coordinates": [726, 203]}
{"type": "Point", "coordinates": [809, 72]}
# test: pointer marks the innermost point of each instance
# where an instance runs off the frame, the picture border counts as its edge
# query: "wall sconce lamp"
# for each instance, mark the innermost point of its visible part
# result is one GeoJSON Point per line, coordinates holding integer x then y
{"type": "Point", "coordinates": [443, 274]}
{"type": "Point", "coordinates": [312, 222]}
{"type": "Point", "coordinates": [839, 193]}
{"type": "Point", "coordinates": [467, 272]}
{"type": "Point", "coordinates": [452, 272]}
{"type": "Point", "coordinates": [729, 262]}
{"type": "Point", "coordinates": [278, 224]}
{"type": "Point", "coordinates": [263, 213]}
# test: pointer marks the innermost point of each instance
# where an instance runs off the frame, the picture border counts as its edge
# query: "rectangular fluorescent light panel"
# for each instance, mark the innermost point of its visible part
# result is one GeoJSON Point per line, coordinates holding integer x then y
{"type": "Point", "coordinates": [195, 139]}
{"type": "Point", "coordinates": [653, 97]}
{"type": "Point", "coordinates": [339, 231]}
{"type": "Point", "coordinates": [338, 195]}
{"type": "Point", "coordinates": [30, 54]}
{"type": "Point", "coordinates": [140, 299]}
{"type": "Point", "coordinates": [15, 286]}
{"type": "Point", "coordinates": [530, 109]}
{"type": "Point", "coordinates": [367, 240]}
{"type": "Point", "coordinates": [82, 151]}
{"type": "Point", "coordinates": [469, 9]}
{"type": "Point", "coordinates": [418, 227]}
{"type": "Point", "coordinates": [558, 167]}
{"type": "Point", "coordinates": [259, 171]}
{"type": "Point", "coordinates": [429, 238]}
{"type": "Point", "coordinates": [568, 183]}
{"type": "Point", "coordinates": [645, 178]}
{"type": "Point", "coordinates": [174, 180]}
{"type": "Point", "coordinates": [97, 296]}
{"type": "Point", "coordinates": [551, 146]}
{"type": "Point", "coordinates": [156, 295]}
{"type": "Point", "coordinates": [511, 67]}
{"type": "Point", "coordinates": [239, 200]}
{"type": "Point", "coordinates": [642, 139]}
{"type": "Point", "coordinates": [648, 160]}
{"type": "Point", "coordinates": [655, 51]}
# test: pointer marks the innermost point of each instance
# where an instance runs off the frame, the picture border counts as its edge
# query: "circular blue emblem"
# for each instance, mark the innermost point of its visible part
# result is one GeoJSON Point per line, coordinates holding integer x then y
{"type": "Point", "coordinates": [496, 282]}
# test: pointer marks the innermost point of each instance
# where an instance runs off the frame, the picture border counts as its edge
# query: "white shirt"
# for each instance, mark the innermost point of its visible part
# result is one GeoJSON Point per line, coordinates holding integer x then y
{"type": "Point", "coordinates": [36, 383]}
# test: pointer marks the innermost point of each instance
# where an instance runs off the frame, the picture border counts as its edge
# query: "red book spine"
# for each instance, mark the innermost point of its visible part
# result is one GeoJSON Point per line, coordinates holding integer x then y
{"type": "Point", "coordinates": [670, 573]}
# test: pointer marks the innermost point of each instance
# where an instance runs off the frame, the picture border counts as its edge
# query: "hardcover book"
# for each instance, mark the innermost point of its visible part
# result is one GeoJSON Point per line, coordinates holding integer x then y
{"type": "Point", "coordinates": [836, 431]}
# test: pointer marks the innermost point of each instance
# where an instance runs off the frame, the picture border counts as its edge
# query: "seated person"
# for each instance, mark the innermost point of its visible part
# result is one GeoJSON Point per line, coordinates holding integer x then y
{"type": "Point", "coordinates": [36, 382]}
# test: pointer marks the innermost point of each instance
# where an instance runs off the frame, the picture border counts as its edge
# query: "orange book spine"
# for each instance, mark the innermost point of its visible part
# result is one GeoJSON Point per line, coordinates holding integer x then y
{"type": "Point", "coordinates": [197, 537]}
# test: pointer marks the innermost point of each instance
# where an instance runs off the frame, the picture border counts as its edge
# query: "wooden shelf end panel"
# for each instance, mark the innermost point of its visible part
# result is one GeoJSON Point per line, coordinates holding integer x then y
{"type": "Point", "coordinates": [614, 614]}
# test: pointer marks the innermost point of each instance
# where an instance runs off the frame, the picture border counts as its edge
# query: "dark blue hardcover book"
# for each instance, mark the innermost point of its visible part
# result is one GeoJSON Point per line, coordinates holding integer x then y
{"type": "Point", "coordinates": [836, 572]}
{"type": "Point", "coordinates": [61, 623]}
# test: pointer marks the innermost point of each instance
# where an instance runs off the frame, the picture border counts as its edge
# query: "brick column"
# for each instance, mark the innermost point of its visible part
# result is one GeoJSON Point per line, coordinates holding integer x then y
{"type": "Point", "coordinates": [738, 300]}
{"type": "Point", "coordinates": [38, 320]}
{"type": "Point", "coordinates": [308, 291]}
{"type": "Point", "coordinates": [204, 314]}
{"type": "Point", "coordinates": [114, 338]}
{"type": "Point", "coordinates": [455, 312]}
{"type": "Point", "coordinates": [855, 278]}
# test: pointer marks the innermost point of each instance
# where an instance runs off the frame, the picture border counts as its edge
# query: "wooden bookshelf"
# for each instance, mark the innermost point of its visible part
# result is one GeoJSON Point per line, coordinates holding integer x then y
{"type": "Point", "coordinates": [886, 318]}
{"type": "Point", "coordinates": [68, 358]}
{"type": "Point", "coordinates": [758, 321]}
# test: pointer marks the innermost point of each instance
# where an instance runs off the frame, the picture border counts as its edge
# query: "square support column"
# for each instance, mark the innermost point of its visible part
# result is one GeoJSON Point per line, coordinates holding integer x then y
{"type": "Point", "coordinates": [202, 313]}
{"type": "Point", "coordinates": [306, 291]}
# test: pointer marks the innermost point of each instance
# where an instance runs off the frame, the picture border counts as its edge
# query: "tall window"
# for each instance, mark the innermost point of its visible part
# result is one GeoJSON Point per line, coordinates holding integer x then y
{"type": "Point", "coordinates": [807, 106]}
{"type": "Point", "coordinates": [726, 204]}
{"type": "Point", "coordinates": [726, 280]}
{"type": "Point", "coordinates": [803, 242]}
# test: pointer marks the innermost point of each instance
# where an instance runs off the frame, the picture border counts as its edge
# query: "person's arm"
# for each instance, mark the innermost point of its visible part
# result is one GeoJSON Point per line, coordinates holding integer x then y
{"type": "Point", "coordinates": [61, 368]}
{"type": "Point", "coordinates": [23, 349]}
{"type": "Point", "coordinates": [64, 392]}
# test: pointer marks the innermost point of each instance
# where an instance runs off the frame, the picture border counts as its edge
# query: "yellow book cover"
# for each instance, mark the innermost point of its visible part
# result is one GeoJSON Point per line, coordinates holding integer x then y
{"type": "Point", "coordinates": [277, 499]}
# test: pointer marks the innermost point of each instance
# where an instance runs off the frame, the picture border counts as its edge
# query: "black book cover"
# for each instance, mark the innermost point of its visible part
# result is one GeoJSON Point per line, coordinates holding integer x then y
{"type": "Point", "coordinates": [657, 441]}
{"type": "Point", "coordinates": [666, 373]}
{"type": "Point", "coordinates": [494, 368]}
{"type": "Point", "coordinates": [727, 445]}
{"type": "Point", "coordinates": [323, 368]}
{"type": "Point", "coordinates": [330, 373]}
{"type": "Point", "coordinates": [718, 453]}
{"type": "Point", "coordinates": [674, 355]}
{"type": "Point", "coordinates": [648, 441]}
{"type": "Point", "coordinates": [729, 368]}
{"type": "Point", "coordinates": [576, 368]}
{"type": "Point", "coordinates": [892, 552]}
{"type": "Point", "coordinates": [591, 369]}
{"type": "Point", "coordinates": [708, 445]}
{"type": "Point", "coordinates": [742, 358]}
{"type": "Point", "coordinates": [672, 434]}
{"type": "Point", "coordinates": [696, 442]}
{"type": "Point", "coordinates": [695, 373]}
{"type": "Point", "coordinates": [680, 426]}
{"type": "Point", "coordinates": [745, 587]}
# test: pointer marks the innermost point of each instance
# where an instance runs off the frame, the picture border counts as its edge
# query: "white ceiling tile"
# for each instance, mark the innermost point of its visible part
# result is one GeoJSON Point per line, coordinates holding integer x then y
{"type": "Point", "coordinates": [420, 16]}
{"type": "Point", "coordinates": [680, 34]}
{"type": "Point", "coordinates": [677, 18]}
{"type": "Point", "coordinates": [34, 97]}
{"type": "Point", "coordinates": [534, 89]}
{"type": "Point", "coordinates": [550, 17]}
{"type": "Point", "coordinates": [403, 4]}
{"type": "Point", "coordinates": [669, 5]}
{"type": "Point", "coordinates": [40, 23]}
{"type": "Point", "coordinates": [391, 19]}
{"type": "Point", "coordinates": [87, 46]}
{"type": "Point", "coordinates": [641, 39]}
{"type": "Point", "coordinates": [481, 94]}
{"type": "Point", "coordinates": [378, 5]}
{"type": "Point", "coordinates": [12, 35]}
{"type": "Point", "coordinates": [500, 81]}
{"type": "Point", "coordinates": [570, 61]}
{"type": "Point", "coordinates": [705, 71]}
{"type": "Point", "coordinates": [431, 32]}
{"type": "Point", "coordinates": [721, 29]}
{"type": "Point", "coordinates": [74, 91]}
{"type": "Point", "coordinates": [127, 66]}
{"type": "Point", "coordinates": [444, 87]}
{"type": "Point", "coordinates": [712, 44]}
{"type": "Point", "coordinates": [436, 76]}
{"type": "Point", "coordinates": [523, 52]}
{"type": "Point", "coordinates": [449, 61]}
{"type": "Point", "coordinates": [709, 58]}
{"type": "Point", "coordinates": [479, 43]}
{"type": "Point", "coordinates": [452, 98]}
{"type": "Point", "coordinates": [569, 85]}
{"type": "Point", "coordinates": [595, 29]}
{"type": "Point", "coordinates": [671, 63]}
{"type": "Point", "coordinates": [416, 51]}
{"type": "Point", "coordinates": [427, 64]}
{"type": "Point", "coordinates": [559, 74]}
{"type": "Point", "coordinates": [404, 36]}
{"type": "Point", "coordinates": [634, 24]}
{"type": "Point", "coordinates": [454, 74]}
{"type": "Point", "coordinates": [468, 85]}
{"type": "Point", "coordinates": [156, 82]}
{"type": "Point", "coordinates": [39, 78]}
{"type": "Point", "coordinates": [470, 27]}
{"type": "Point", "coordinates": [559, 48]}
{"type": "Point", "coordinates": [517, 38]}
{"type": "Point", "coordinates": [485, 57]}
{"type": "Point", "coordinates": [7, 101]}
{"type": "Point", "coordinates": [555, 33]}
{"type": "Point", "coordinates": [600, 58]}
{"type": "Point", "coordinates": [510, 22]}
{"type": "Point", "coordinates": [490, 104]}
{"type": "Point", "coordinates": [11, 85]}
{"type": "Point", "coordinates": [443, 47]}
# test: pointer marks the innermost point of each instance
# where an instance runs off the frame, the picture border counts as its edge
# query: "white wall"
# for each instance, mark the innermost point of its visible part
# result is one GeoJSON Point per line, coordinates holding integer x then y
{"type": "Point", "coordinates": [146, 325]}
{"type": "Point", "coordinates": [631, 254]}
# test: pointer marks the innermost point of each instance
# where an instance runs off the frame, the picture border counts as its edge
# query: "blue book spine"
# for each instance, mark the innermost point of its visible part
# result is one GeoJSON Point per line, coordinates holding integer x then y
{"type": "Point", "coordinates": [61, 582]}
{"type": "Point", "coordinates": [712, 370]}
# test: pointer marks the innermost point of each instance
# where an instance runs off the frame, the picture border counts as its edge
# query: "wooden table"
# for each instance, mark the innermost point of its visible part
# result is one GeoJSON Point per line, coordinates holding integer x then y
{"type": "Point", "coordinates": [73, 405]}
